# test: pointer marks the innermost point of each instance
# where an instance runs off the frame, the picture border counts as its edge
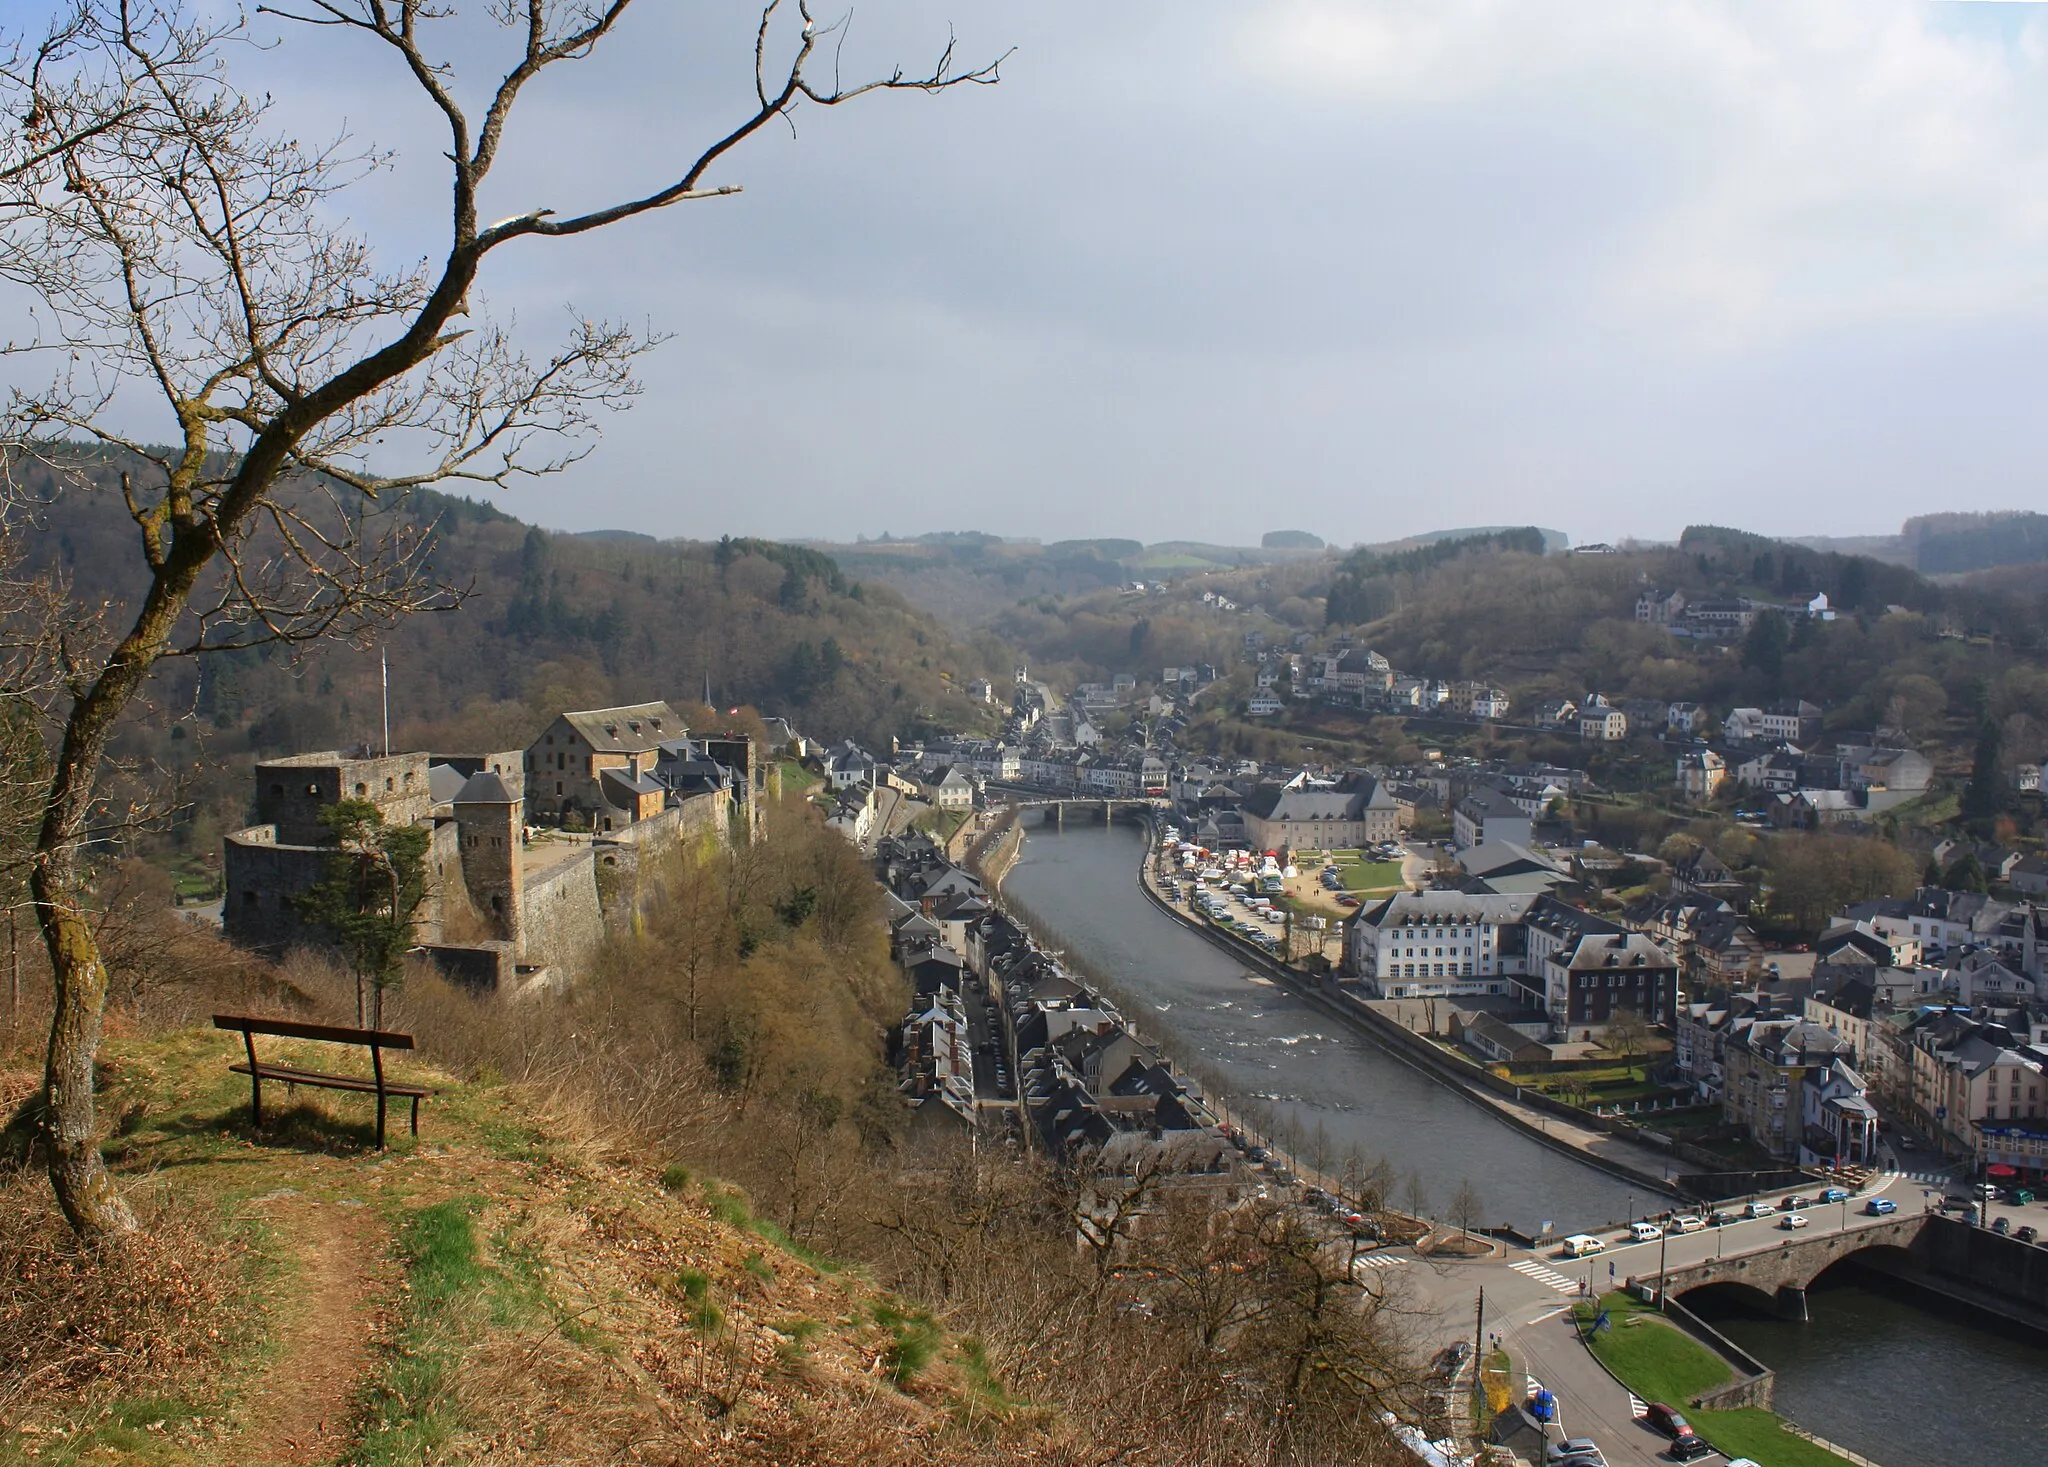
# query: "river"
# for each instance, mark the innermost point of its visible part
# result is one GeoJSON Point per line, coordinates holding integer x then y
{"type": "Point", "coordinates": [1901, 1384]}
{"type": "Point", "coordinates": [1332, 1091]}
{"type": "Point", "coordinates": [1895, 1381]}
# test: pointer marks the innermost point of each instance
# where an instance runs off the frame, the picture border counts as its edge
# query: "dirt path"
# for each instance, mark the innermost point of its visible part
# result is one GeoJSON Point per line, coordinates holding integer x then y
{"type": "Point", "coordinates": [301, 1410]}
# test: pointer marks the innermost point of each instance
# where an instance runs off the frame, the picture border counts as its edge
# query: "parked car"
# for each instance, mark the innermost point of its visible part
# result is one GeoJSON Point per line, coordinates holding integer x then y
{"type": "Point", "coordinates": [1880, 1207]}
{"type": "Point", "coordinates": [1578, 1451]}
{"type": "Point", "coordinates": [1793, 1220]}
{"type": "Point", "coordinates": [1451, 1359]}
{"type": "Point", "coordinates": [2001, 1225]}
{"type": "Point", "coordinates": [1793, 1204]}
{"type": "Point", "coordinates": [2018, 1196]}
{"type": "Point", "coordinates": [1835, 1194]}
{"type": "Point", "coordinates": [1759, 1208]}
{"type": "Point", "coordinates": [1722, 1219]}
{"type": "Point", "coordinates": [1645, 1232]}
{"type": "Point", "coordinates": [1685, 1222]}
{"type": "Point", "coordinates": [1667, 1420]}
{"type": "Point", "coordinates": [1688, 1449]}
{"type": "Point", "coordinates": [2028, 1234]}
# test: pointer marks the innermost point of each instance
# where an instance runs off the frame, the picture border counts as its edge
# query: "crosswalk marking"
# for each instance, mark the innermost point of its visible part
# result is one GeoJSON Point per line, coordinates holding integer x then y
{"type": "Point", "coordinates": [1544, 1274]}
{"type": "Point", "coordinates": [1636, 1407]}
{"type": "Point", "coordinates": [1378, 1260]}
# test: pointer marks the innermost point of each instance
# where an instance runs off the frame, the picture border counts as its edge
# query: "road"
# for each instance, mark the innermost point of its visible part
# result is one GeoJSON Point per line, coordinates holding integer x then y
{"type": "Point", "coordinates": [1529, 1294]}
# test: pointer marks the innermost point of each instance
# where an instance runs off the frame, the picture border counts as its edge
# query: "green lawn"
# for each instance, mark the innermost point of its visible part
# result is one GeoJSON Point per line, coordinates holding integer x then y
{"type": "Point", "coordinates": [1369, 875]}
{"type": "Point", "coordinates": [1660, 1362]}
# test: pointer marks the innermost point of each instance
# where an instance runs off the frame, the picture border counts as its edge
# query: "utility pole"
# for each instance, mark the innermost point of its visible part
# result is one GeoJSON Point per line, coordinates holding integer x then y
{"type": "Point", "coordinates": [1663, 1243]}
{"type": "Point", "coordinates": [1479, 1349]}
{"type": "Point", "coordinates": [384, 679]}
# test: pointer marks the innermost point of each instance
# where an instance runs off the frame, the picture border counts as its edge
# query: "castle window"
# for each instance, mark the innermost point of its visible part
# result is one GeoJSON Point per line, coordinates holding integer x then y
{"type": "Point", "coordinates": [497, 904]}
{"type": "Point", "coordinates": [391, 784]}
{"type": "Point", "coordinates": [361, 789]}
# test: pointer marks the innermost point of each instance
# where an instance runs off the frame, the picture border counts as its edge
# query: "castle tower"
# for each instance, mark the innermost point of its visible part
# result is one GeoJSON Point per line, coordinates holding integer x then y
{"type": "Point", "coordinates": [487, 817]}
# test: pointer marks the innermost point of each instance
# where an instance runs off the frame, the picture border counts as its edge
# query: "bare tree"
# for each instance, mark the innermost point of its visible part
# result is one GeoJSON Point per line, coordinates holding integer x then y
{"type": "Point", "coordinates": [179, 245]}
{"type": "Point", "coordinates": [1415, 1194]}
{"type": "Point", "coordinates": [1465, 1207]}
{"type": "Point", "coordinates": [1626, 1036]}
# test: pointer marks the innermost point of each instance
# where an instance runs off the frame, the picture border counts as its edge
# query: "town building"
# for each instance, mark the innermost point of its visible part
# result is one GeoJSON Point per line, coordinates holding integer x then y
{"type": "Point", "coordinates": [1300, 815]}
{"type": "Point", "coordinates": [588, 767]}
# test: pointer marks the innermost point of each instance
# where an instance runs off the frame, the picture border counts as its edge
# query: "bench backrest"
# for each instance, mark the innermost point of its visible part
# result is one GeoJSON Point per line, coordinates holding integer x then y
{"type": "Point", "coordinates": [331, 1033]}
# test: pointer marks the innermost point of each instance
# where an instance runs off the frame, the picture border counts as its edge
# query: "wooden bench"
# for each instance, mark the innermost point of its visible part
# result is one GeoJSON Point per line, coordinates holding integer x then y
{"type": "Point", "coordinates": [375, 1040]}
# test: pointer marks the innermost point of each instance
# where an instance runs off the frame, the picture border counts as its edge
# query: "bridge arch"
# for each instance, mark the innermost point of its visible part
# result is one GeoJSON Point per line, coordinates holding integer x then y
{"type": "Point", "coordinates": [1875, 1258]}
{"type": "Point", "coordinates": [1711, 1298]}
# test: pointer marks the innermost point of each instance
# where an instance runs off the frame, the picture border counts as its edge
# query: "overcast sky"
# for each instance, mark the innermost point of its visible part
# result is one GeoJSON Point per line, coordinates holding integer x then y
{"type": "Point", "coordinates": [1200, 270]}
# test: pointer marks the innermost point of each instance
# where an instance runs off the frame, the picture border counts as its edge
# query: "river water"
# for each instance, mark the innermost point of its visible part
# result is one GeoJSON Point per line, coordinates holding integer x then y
{"type": "Point", "coordinates": [1905, 1386]}
{"type": "Point", "coordinates": [1331, 1091]}
{"type": "Point", "coordinates": [1898, 1382]}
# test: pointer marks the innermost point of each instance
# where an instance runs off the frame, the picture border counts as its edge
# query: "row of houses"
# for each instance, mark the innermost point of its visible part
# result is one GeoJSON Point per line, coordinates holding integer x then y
{"type": "Point", "coordinates": [1931, 1004]}
{"type": "Point", "coordinates": [1721, 617]}
{"type": "Point", "coordinates": [1082, 1076]}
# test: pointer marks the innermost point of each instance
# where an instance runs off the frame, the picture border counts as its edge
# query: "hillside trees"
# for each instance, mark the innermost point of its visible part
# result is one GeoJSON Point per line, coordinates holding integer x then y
{"type": "Point", "coordinates": [179, 244]}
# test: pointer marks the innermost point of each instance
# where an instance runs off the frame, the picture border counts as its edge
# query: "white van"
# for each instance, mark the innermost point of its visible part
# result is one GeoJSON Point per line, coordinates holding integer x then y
{"type": "Point", "coordinates": [1685, 1222]}
{"type": "Point", "coordinates": [1645, 1232]}
{"type": "Point", "coordinates": [1579, 1245]}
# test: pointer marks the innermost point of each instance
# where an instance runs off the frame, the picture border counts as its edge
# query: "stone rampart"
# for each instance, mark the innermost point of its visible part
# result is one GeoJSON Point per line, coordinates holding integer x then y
{"type": "Point", "coordinates": [563, 922]}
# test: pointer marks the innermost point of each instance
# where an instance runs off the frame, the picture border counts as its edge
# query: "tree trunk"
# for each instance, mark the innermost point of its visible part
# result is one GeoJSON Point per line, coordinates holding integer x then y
{"type": "Point", "coordinates": [78, 1175]}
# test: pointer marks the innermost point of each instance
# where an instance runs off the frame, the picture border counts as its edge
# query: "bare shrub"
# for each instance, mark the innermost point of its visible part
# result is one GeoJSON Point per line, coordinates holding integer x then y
{"type": "Point", "coordinates": [80, 1322]}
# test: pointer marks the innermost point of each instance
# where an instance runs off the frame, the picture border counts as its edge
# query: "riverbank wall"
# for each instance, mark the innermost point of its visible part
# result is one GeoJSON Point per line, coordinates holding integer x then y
{"type": "Point", "coordinates": [1470, 1080]}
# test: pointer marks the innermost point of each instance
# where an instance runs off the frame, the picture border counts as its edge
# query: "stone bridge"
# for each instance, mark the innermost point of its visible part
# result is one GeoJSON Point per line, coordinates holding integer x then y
{"type": "Point", "coordinates": [1782, 1270]}
{"type": "Point", "coordinates": [1058, 806]}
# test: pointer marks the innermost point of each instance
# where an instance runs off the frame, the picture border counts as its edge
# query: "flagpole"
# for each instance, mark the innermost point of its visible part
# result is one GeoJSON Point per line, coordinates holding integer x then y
{"type": "Point", "coordinates": [384, 676]}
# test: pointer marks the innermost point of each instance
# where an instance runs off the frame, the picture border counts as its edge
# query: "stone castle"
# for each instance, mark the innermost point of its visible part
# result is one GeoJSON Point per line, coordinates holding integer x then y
{"type": "Point", "coordinates": [510, 904]}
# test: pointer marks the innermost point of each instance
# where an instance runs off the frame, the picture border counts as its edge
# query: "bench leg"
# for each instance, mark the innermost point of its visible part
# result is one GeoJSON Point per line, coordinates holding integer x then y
{"type": "Point", "coordinates": [415, 1115]}
{"type": "Point", "coordinates": [255, 1081]}
{"type": "Point", "coordinates": [380, 1120]}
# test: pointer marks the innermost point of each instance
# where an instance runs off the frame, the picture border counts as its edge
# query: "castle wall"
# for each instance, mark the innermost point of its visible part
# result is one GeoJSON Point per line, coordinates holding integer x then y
{"type": "Point", "coordinates": [291, 792]}
{"type": "Point", "coordinates": [260, 877]}
{"type": "Point", "coordinates": [562, 923]}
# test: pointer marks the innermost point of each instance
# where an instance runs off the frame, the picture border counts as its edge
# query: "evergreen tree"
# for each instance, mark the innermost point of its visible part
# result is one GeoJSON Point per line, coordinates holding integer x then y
{"type": "Point", "coordinates": [370, 899]}
{"type": "Point", "coordinates": [1966, 873]}
{"type": "Point", "coordinates": [1763, 649]}
{"type": "Point", "coordinates": [1983, 796]}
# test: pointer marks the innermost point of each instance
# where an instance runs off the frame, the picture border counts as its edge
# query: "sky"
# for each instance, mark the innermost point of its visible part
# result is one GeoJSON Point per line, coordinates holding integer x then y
{"type": "Point", "coordinates": [1205, 269]}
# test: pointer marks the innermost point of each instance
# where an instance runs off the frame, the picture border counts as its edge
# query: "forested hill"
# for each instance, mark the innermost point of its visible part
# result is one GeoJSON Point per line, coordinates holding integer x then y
{"type": "Point", "coordinates": [554, 621]}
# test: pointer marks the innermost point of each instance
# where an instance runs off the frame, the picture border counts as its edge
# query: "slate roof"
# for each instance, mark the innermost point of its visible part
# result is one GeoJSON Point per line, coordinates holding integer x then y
{"type": "Point", "coordinates": [484, 788]}
{"type": "Point", "coordinates": [632, 728]}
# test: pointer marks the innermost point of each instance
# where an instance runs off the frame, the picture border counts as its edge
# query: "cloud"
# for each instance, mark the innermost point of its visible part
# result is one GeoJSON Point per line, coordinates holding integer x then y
{"type": "Point", "coordinates": [1194, 271]}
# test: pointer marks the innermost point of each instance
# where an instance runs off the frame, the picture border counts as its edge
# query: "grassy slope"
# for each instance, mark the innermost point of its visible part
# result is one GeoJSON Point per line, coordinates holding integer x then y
{"type": "Point", "coordinates": [1659, 1362]}
{"type": "Point", "coordinates": [527, 1294]}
